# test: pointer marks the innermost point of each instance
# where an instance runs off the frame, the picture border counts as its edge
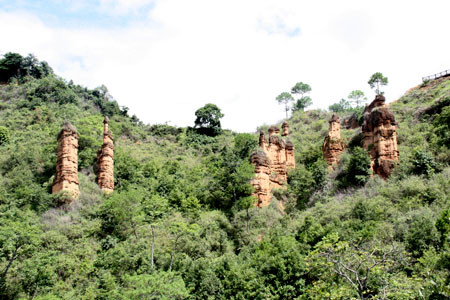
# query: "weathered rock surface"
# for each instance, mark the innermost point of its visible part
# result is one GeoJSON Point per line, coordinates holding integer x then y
{"type": "Point", "coordinates": [333, 146]}
{"type": "Point", "coordinates": [66, 178]}
{"type": "Point", "coordinates": [272, 163]}
{"type": "Point", "coordinates": [380, 137]}
{"type": "Point", "coordinates": [105, 161]}
{"type": "Point", "coordinates": [350, 122]}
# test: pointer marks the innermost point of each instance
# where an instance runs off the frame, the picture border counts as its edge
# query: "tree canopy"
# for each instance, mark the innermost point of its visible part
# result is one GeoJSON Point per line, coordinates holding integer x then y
{"type": "Point", "coordinates": [357, 97]}
{"type": "Point", "coordinates": [285, 98]}
{"type": "Point", "coordinates": [14, 65]}
{"type": "Point", "coordinates": [208, 119]}
{"type": "Point", "coordinates": [376, 81]}
{"type": "Point", "coordinates": [301, 89]}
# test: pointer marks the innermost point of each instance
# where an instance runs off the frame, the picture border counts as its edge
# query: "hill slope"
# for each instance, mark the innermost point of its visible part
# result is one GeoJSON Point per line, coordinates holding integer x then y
{"type": "Point", "coordinates": [180, 224]}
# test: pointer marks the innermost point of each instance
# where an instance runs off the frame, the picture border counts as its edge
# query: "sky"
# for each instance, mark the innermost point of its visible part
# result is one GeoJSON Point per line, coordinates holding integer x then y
{"type": "Point", "coordinates": [164, 59]}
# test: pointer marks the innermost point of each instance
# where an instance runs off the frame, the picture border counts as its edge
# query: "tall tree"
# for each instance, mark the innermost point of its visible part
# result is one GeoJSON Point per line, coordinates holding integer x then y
{"type": "Point", "coordinates": [285, 98]}
{"type": "Point", "coordinates": [304, 101]}
{"type": "Point", "coordinates": [341, 106]}
{"type": "Point", "coordinates": [376, 81]}
{"type": "Point", "coordinates": [208, 119]}
{"type": "Point", "coordinates": [357, 97]}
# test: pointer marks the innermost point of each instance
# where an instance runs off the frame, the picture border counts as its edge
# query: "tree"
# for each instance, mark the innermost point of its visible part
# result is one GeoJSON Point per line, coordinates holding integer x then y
{"type": "Point", "coordinates": [302, 103]}
{"type": "Point", "coordinates": [341, 106]}
{"type": "Point", "coordinates": [14, 65]}
{"type": "Point", "coordinates": [208, 119]}
{"type": "Point", "coordinates": [357, 97]}
{"type": "Point", "coordinates": [301, 89]}
{"type": "Point", "coordinates": [285, 98]}
{"type": "Point", "coordinates": [10, 66]}
{"type": "Point", "coordinates": [364, 267]}
{"type": "Point", "coordinates": [356, 171]}
{"type": "Point", "coordinates": [376, 81]}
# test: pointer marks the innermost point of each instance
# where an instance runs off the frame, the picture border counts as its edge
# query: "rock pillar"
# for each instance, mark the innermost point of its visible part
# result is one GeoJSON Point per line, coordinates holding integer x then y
{"type": "Point", "coordinates": [271, 163]}
{"type": "Point", "coordinates": [261, 181]}
{"type": "Point", "coordinates": [289, 146]}
{"type": "Point", "coordinates": [105, 161]}
{"type": "Point", "coordinates": [380, 137]}
{"type": "Point", "coordinates": [333, 145]}
{"type": "Point", "coordinates": [66, 178]}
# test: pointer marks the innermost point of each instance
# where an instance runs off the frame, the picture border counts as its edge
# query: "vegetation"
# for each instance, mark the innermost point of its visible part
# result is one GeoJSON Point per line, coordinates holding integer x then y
{"type": "Point", "coordinates": [376, 81]}
{"type": "Point", "coordinates": [342, 106]}
{"type": "Point", "coordinates": [304, 101]}
{"type": "Point", "coordinates": [14, 66]}
{"type": "Point", "coordinates": [357, 97]}
{"type": "Point", "coordinates": [285, 98]}
{"type": "Point", "coordinates": [208, 119]}
{"type": "Point", "coordinates": [181, 222]}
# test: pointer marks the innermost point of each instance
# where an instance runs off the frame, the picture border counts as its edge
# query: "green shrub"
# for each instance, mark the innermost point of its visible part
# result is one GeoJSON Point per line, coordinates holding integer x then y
{"type": "Point", "coordinates": [301, 184]}
{"type": "Point", "coordinates": [4, 135]}
{"type": "Point", "coordinates": [357, 170]}
{"type": "Point", "coordinates": [423, 163]}
{"type": "Point", "coordinates": [422, 234]}
{"type": "Point", "coordinates": [442, 126]}
{"type": "Point", "coordinates": [443, 226]}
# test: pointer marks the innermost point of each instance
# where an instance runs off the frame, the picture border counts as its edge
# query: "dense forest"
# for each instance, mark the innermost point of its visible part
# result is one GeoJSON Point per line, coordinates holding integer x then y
{"type": "Point", "coordinates": [181, 223]}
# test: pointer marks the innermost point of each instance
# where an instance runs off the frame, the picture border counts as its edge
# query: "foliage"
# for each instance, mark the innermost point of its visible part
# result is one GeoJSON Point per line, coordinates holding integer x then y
{"type": "Point", "coordinates": [285, 98]}
{"type": "Point", "coordinates": [356, 171]}
{"type": "Point", "coordinates": [4, 135]}
{"type": "Point", "coordinates": [303, 102]}
{"type": "Point", "coordinates": [208, 119]}
{"type": "Point", "coordinates": [301, 89]}
{"type": "Point", "coordinates": [357, 97]}
{"type": "Point", "coordinates": [181, 223]}
{"type": "Point", "coordinates": [341, 106]}
{"type": "Point", "coordinates": [376, 81]}
{"type": "Point", "coordinates": [13, 65]}
{"type": "Point", "coordinates": [162, 285]}
{"type": "Point", "coordinates": [423, 163]}
{"type": "Point", "coordinates": [442, 126]}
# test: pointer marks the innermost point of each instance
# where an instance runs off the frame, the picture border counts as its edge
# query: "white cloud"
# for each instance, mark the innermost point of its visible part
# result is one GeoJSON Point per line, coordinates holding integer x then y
{"type": "Point", "coordinates": [215, 51]}
{"type": "Point", "coordinates": [123, 7]}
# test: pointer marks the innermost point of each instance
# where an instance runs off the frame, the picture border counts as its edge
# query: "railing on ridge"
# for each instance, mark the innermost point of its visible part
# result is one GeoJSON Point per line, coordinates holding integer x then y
{"type": "Point", "coordinates": [436, 76]}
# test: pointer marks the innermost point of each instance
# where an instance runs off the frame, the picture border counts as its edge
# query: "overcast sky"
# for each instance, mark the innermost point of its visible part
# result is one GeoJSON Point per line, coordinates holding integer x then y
{"type": "Point", "coordinates": [166, 58]}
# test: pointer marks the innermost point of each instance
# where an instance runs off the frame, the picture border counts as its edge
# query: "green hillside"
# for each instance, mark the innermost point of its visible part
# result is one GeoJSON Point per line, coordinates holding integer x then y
{"type": "Point", "coordinates": [181, 224]}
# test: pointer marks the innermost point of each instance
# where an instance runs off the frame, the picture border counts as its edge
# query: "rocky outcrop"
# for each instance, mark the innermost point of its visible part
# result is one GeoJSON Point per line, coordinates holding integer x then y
{"type": "Point", "coordinates": [105, 161]}
{"type": "Point", "coordinates": [271, 163]}
{"type": "Point", "coordinates": [380, 137]}
{"type": "Point", "coordinates": [333, 146]}
{"type": "Point", "coordinates": [66, 178]}
{"type": "Point", "coordinates": [261, 181]}
{"type": "Point", "coordinates": [351, 122]}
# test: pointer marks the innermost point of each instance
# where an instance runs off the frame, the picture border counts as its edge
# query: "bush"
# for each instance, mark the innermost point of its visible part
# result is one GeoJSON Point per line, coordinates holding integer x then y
{"type": "Point", "coordinates": [4, 135]}
{"type": "Point", "coordinates": [442, 127]}
{"type": "Point", "coordinates": [357, 170]}
{"type": "Point", "coordinates": [423, 163]}
{"type": "Point", "coordinates": [422, 234]}
{"type": "Point", "coordinates": [301, 184]}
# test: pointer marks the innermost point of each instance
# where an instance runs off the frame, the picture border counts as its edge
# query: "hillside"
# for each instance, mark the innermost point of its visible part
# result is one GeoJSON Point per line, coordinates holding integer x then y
{"type": "Point", "coordinates": [181, 224]}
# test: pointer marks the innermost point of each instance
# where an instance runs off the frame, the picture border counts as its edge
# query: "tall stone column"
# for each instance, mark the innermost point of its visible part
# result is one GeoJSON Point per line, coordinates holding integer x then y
{"type": "Point", "coordinates": [290, 156]}
{"type": "Point", "coordinates": [380, 137]}
{"type": "Point", "coordinates": [333, 145]}
{"type": "Point", "coordinates": [271, 163]}
{"type": "Point", "coordinates": [66, 178]}
{"type": "Point", "coordinates": [105, 161]}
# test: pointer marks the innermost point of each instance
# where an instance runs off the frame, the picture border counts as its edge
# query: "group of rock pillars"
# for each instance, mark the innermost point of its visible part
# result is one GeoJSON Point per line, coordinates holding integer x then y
{"type": "Point", "coordinates": [272, 161]}
{"type": "Point", "coordinates": [66, 178]}
{"type": "Point", "coordinates": [275, 158]}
